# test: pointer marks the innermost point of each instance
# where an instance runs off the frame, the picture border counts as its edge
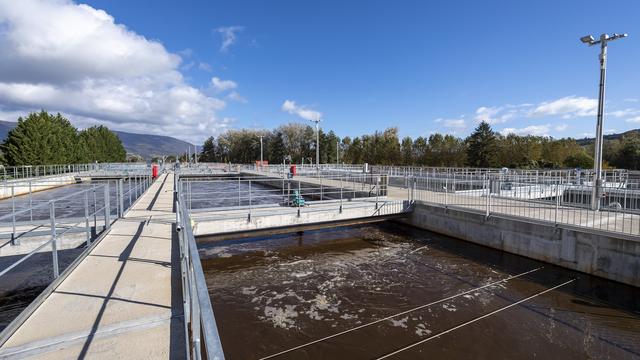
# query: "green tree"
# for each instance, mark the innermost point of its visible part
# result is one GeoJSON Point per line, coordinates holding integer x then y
{"type": "Point", "coordinates": [579, 160]}
{"type": "Point", "coordinates": [43, 139]}
{"type": "Point", "coordinates": [103, 145]}
{"type": "Point", "coordinates": [208, 153]}
{"type": "Point", "coordinates": [629, 156]}
{"type": "Point", "coordinates": [482, 150]}
{"type": "Point", "coordinates": [407, 151]}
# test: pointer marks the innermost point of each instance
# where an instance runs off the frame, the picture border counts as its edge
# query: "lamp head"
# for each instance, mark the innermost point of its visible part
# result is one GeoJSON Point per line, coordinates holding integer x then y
{"type": "Point", "coordinates": [589, 40]}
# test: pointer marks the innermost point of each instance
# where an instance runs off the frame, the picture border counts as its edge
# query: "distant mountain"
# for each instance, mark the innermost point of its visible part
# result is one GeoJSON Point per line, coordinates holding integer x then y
{"type": "Point", "coordinates": [147, 146]}
{"type": "Point", "coordinates": [588, 141]}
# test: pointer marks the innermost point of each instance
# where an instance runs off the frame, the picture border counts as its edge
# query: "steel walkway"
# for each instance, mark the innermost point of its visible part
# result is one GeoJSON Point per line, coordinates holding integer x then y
{"type": "Point", "coordinates": [123, 300]}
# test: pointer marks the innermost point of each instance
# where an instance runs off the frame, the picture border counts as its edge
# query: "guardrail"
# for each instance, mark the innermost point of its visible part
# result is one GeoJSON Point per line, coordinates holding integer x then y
{"type": "Point", "coordinates": [251, 191]}
{"type": "Point", "coordinates": [202, 337]}
{"type": "Point", "coordinates": [567, 204]}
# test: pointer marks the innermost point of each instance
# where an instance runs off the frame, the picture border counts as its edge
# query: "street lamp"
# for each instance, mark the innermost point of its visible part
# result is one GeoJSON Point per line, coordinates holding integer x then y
{"type": "Point", "coordinates": [261, 136]}
{"type": "Point", "coordinates": [317, 121]}
{"type": "Point", "coordinates": [597, 167]}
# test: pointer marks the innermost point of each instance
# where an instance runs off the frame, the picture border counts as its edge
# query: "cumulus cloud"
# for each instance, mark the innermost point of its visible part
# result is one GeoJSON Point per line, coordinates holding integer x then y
{"type": "Point", "coordinates": [567, 107]}
{"type": "Point", "coordinates": [235, 96]}
{"type": "Point", "coordinates": [222, 85]}
{"type": "Point", "coordinates": [561, 127]}
{"type": "Point", "coordinates": [454, 124]}
{"type": "Point", "coordinates": [537, 130]}
{"type": "Point", "coordinates": [77, 60]}
{"type": "Point", "coordinates": [229, 36]}
{"type": "Point", "coordinates": [291, 107]}
{"type": "Point", "coordinates": [634, 119]}
{"type": "Point", "coordinates": [496, 114]}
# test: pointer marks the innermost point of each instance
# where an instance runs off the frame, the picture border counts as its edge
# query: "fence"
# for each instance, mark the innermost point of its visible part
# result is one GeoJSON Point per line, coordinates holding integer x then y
{"type": "Point", "coordinates": [200, 323]}
{"type": "Point", "coordinates": [560, 203]}
{"type": "Point", "coordinates": [79, 216]}
{"type": "Point", "coordinates": [252, 191]}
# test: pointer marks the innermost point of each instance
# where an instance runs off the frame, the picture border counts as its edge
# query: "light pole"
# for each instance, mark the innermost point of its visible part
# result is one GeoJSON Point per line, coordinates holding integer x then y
{"type": "Point", "coordinates": [317, 121]}
{"type": "Point", "coordinates": [261, 136]}
{"type": "Point", "coordinates": [337, 152]}
{"type": "Point", "coordinates": [597, 167]}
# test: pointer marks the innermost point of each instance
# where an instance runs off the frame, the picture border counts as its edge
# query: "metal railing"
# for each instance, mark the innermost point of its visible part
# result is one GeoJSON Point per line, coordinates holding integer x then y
{"type": "Point", "coordinates": [560, 203]}
{"type": "Point", "coordinates": [202, 337]}
{"type": "Point", "coordinates": [255, 191]}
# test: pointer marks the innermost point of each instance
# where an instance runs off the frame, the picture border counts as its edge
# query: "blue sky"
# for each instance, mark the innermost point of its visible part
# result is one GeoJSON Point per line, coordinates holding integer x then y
{"type": "Point", "coordinates": [366, 65]}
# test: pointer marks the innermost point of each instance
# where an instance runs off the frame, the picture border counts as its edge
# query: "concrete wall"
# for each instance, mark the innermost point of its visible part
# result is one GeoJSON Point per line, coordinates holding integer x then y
{"type": "Point", "coordinates": [283, 217]}
{"type": "Point", "coordinates": [615, 257]}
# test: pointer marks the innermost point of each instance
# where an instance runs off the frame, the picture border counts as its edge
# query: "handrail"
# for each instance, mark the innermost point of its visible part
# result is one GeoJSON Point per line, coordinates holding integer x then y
{"type": "Point", "coordinates": [200, 323]}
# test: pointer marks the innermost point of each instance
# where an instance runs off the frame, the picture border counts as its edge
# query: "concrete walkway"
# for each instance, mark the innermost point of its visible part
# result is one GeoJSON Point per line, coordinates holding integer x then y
{"type": "Point", "coordinates": [123, 301]}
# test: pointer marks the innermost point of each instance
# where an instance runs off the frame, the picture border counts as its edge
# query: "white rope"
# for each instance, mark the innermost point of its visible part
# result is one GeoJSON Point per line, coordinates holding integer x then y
{"type": "Point", "coordinates": [398, 314]}
{"type": "Point", "coordinates": [472, 321]}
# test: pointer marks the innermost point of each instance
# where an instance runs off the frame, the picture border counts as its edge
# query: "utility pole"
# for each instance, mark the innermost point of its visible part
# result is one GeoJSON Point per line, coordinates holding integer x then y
{"type": "Point", "coordinates": [597, 167]}
{"type": "Point", "coordinates": [261, 136]}
{"type": "Point", "coordinates": [317, 121]}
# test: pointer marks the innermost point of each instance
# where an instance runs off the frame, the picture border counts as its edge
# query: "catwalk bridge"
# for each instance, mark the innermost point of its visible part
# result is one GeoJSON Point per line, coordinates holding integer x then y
{"type": "Point", "coordinates": [137, 289]}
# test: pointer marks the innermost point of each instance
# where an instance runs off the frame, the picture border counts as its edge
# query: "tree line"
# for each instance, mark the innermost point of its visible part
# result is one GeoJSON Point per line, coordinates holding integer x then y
{"type": "Point", "coordinates": [482, 148]}
{"type": "Point", "coordinates": [44, 139]}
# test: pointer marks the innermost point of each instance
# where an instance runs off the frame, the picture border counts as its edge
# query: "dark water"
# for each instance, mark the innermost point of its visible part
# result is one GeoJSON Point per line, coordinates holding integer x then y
{"type": "Point", "coordinates": [20, 286]}
{"type": "Point", "coordinates": [222, 193]}
{"type": "Point", "coordinates": [272, 294]}
{"type": "Point", "coordinates": [67, 208]}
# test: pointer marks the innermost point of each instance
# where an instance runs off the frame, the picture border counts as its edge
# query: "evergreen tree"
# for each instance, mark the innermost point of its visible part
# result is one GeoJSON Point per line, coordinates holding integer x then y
{"type": "Point", "coordinates": [482, 150]}
{"type": "Point", "coordinates": [43, 139]}
{"type": "Point", "coordinates": [102, 145]}
{"type": "Point", "coordinates": [208, 153]}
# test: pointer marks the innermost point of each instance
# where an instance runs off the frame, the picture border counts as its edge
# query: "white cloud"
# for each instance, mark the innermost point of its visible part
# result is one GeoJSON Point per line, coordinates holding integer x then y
{"type": "Point", "coordinates": [454, 124]}
{"type": "Point", "coordinates": [229, 35]}
{"type": "Point", "coordinates": [494, 114]}
{"type": "Point", "coordinates": [624, 113]}
{"type": "Point", "coordinates": [223, 85]}
{"type": "Point", "coordinates": [537, 130]}
{"type": "Point", "coordinates": [77, 60]}
{"type": "Point", "coordinates": [290, 107]}
{"type": "Point", "coordinates": [235, 96]}
{"type": "Point", "coordinates": [631, 100]}
{"type": "Point", "coordinates": [204, 67]}
{"type": "Point", "coordinates": [567, 107]}
{"type": "Point", "coordinates": [561, 127]}
{"type": "Point", "coordinates": [634, 119]}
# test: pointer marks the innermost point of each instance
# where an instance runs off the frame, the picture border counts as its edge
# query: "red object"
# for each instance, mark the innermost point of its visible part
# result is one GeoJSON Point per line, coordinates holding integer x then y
{"type": "Point", "coordinates": [292, 170]}
{"type": "Point", "coordinates": [154, 171]}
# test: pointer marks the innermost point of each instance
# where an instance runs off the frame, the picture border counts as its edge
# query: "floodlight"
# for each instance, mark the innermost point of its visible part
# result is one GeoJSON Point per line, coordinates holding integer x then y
{"type": "Point", "coordinates": [588, 39]}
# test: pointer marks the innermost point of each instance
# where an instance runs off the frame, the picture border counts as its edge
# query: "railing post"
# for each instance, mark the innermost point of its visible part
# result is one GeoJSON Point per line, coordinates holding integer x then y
{"type": "Point", "coordinates": [30, 203]}
{"type": "Point", "coordinates": [14, 240]}
{"type": "Point", "coordinates": [300, 196]}
{"type": "Point", "coordinates": [488, 187]}
{"type": "Point", "coordinates": [107, 207]}
{"type": "Point", "coordinates": [377, 192]}
{"type": "Point", "coordinates": [249, 219]}
{"type": "Point", "coordinates": [341, 195]}
{"type": "Point", "coordinates": [446, 192]}
{"type": "Point", "coordinates": [54, 240]}
{"type": "Point", "coordinates": [86, 217]}
{"type": "Point", "coordinates": [129, 182]}
{"type": "Point", "coordinates": [121, 197]}
{"type": "Point", "coordinates": [95, 210]}
{"type": "Point", "coordinates": [557, 203]}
